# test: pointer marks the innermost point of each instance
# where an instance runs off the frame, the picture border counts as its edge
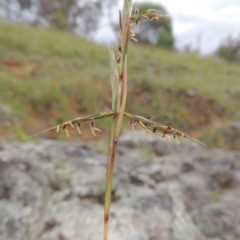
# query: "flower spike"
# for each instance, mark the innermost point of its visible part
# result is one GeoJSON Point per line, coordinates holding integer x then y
{"type": "Point", "coordinates": [154, 127]}
{"type": "Point", "coordinates": [93, 128]}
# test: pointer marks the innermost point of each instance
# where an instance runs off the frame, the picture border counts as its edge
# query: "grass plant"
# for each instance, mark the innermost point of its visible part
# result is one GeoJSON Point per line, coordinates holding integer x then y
{"type": "Point", "coordinates": [119, 83]}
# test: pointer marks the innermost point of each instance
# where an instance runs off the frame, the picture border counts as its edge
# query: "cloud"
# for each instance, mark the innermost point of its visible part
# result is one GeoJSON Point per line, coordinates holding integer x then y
{"type": "Point", "coordinates": [205, 23]}
{"type": "Point", "coordinates": [205, 38]}
{"type": "Point", "coordinates": [206, 31]}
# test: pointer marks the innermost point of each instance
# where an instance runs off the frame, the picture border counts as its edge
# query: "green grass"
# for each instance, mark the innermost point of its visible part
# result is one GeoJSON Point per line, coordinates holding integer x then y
{"type": "Point", "coordinates": [48, 76]}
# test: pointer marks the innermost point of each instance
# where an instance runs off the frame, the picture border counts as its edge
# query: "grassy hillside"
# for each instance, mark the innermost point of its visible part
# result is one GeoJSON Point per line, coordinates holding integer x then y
{"type": "Point", "coordinates": [47, 77]}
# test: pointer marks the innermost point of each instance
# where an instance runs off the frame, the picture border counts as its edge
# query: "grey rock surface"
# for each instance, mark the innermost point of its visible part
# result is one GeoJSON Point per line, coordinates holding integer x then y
{"type": "Point", "coordinates": [55, 191]}
{"type": "Point", "coordinates": [5, 113]}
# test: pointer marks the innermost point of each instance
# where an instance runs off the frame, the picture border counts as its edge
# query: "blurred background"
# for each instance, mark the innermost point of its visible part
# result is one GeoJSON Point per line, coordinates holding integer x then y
{"type": "Point", "coordinates": [184, 68]}
{"type": "Point", "coordinates": [184, 71]}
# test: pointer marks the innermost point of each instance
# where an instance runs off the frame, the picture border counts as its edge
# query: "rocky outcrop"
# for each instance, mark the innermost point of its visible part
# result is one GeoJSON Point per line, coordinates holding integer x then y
{"type": "Point", "coordinates": [55, 190]}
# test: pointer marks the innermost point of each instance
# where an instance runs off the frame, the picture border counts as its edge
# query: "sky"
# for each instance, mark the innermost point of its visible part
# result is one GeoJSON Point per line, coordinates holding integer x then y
{"type": "Point", "coordinates": [201, 24]}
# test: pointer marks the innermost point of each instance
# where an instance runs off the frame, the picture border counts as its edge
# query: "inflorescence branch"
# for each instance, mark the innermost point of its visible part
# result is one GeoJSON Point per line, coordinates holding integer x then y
{"type": "Point", "coordinates": [152, 128]}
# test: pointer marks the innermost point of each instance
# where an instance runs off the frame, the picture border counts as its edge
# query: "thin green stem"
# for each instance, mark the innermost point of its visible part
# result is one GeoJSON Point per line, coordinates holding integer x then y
{"type": "Point", "coordinates": [118, 104]}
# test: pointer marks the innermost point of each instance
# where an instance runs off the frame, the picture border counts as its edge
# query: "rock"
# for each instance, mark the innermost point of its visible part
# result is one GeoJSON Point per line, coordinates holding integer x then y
{"type": "Point", "coordinates": [133, 139]}
{"type": "Point", "coordinates": [218, 164]}
{"type": "Point", "coordinates": [214, 158]}
{"type": "Point", "coordinates": [24, 195]}
{"type": "Point", "coordinates": [37, 59]}
{"type": "Point", "coordinates": [236, 176]}
{"type": "Point", "coordinates": [191, 92]}
{"type": "Point", "coordinates": [231, 198]}
{"type": "Point", "coordinates": [5, 113]}
{"type": "Point", "coordinates": [83, 151]}
{"type": "Point", "coordinates": [215, 220]}
{"type": "Point", "coordinates": [182, 226]}
{"type": "Point", "coordinates": [2, 145]}
{"type": "Point", "coordinates": [236, 161]}
{"type": "Point", "coordinates": [195, 190]}
{"type": "Point", "coordinates": [223, 176]}
{"type": "Point", "coordinates": [187, 167]}
{"type": "Point", "coordinates": [55, 190]}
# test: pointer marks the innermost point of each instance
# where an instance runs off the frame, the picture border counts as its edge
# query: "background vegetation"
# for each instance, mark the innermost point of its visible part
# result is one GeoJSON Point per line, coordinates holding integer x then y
{"type": "Point", "coordinates": [83, 17]}
{"type": "Point", "coordinates": [48, 76]}
{"type": "Point", "coordinates": [230, 49]}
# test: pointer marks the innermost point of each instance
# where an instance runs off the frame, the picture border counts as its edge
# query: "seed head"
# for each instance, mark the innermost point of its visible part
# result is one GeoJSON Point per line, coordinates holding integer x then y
{"type": "Point", "coordinates": [78, 128]}
{"type": "Point", "coordinates": [93, 128]}
{"type": "Point", "coordinates": [92, 124]}
{"type": "Point", "coordinates": [132, 122]}
{"type": "Point", "coordinates": [67, 133]}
